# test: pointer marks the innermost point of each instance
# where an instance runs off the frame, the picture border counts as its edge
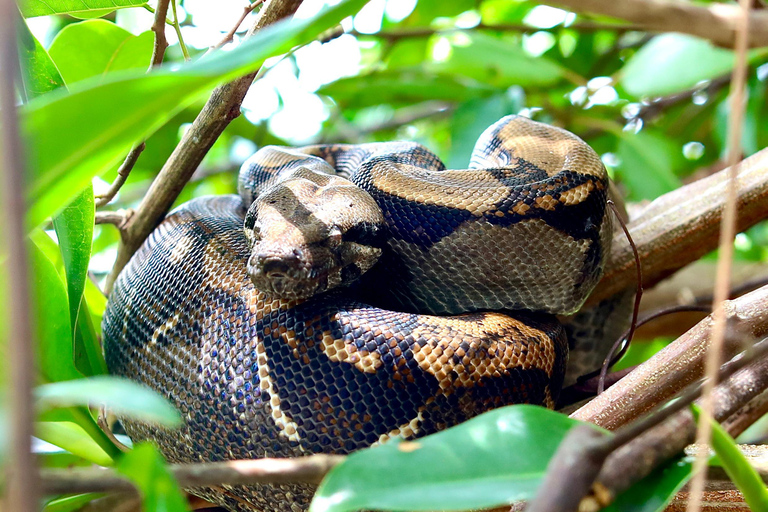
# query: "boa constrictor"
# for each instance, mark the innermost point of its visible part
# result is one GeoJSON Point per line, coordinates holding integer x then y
{"type": "Point", "coordinates": [314, 313]}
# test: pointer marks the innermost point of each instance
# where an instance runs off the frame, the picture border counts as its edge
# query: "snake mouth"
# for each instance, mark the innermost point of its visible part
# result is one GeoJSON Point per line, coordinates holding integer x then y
{"type": "Point", "coordinates": [286, 276]}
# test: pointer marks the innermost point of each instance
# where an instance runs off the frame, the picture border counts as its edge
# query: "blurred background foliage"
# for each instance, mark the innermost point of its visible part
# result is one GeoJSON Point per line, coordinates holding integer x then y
{"type": "Point", "coordinates": [433, 71]}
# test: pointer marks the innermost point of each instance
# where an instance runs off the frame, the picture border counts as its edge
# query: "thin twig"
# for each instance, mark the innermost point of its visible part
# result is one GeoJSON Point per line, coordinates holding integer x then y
{"type": "Point", "coordinates": [19, 338]}
{"type": "Point", "coordinates": [230, 36]}
{"type": "Point", "coordinates": [103, 423]}
{"type": "Point", "coordinates": [158, 27]}
{"type": "Point", "coordinates": [122, 175]}
{"type": "Point", "coordinates": [177, 28]}
{"type": "Point", "coordinates": [310, 469]}
{"type": "Point", "coordinates": [635, 309]}
{"type": "Point", "coordinates": [725, 257]}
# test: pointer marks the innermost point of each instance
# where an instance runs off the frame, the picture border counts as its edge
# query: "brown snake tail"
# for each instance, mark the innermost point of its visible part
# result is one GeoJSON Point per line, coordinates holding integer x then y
{"type": "Point", "coordinates": [255, 376]}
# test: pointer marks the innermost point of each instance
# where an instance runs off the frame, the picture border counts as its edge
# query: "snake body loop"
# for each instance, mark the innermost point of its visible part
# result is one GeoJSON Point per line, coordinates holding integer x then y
{"type": "Point", "coordinates": [354, 354]}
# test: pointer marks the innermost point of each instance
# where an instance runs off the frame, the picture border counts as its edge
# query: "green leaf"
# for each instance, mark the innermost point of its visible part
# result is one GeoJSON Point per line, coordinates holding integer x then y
{"type": "Point", "coordinates": [427, 10]}
{"type": "Point", "coordinates": [146, 468]}
{"type": "Point", "coordinates": [499, 457]}
{"type": "Point", "coordinates": [736, 465]}
{"type": "Point", "coordinates": [74, 230]}
{"type": "Point", "coordinates": [124, 397]}
{"type": "Point", "coordinates": [652, 493]}
{"type": "Point", "coordinates": [494, 61]}
{"type": "Point", "coordinates": [97, 47]}
{"type": "Point", "coordinates": [39, 74]}
{"type": "Point", "coordinates": [402, 87]}
{"type": "Point", "coordinates": [82, 417]}
{"type": "Point", "coordinates": [647, 161]}
{"type": "Point", "coordinates": [63, 160]}
{"type": "Point", "coordinates": [54, 333]}
{"type": "Point", "coordinates": [671, 63]}
{"type": "Point", "coordinates": [70, 503]}
{"type": "Point", "coordinates": [32, 8]}
{"type": "Point", "coordinates": [74, 439]}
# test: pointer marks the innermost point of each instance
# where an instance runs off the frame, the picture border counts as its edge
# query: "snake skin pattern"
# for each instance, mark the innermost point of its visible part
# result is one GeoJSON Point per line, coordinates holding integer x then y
{"type": "Point", "coordinates": [524, 228]}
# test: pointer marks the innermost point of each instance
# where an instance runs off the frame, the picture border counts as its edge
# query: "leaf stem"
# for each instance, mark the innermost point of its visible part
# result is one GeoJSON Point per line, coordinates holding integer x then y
{"type": "Point", "coordinates": [177, 27]}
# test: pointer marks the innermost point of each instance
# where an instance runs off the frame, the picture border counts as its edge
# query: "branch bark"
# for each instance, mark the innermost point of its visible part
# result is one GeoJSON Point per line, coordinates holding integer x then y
{"type": "Point", "coordinates": [716, 22]}
{"type": "Point", "coordinates": [221, 108]}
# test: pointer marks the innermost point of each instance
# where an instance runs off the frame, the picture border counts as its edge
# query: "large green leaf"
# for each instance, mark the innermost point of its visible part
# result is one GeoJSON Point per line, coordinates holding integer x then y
{"type": "Point", "coordinates": [671, 63]}
{"type": "Point", "coordinates": [39, 74]}
{"type": "Point", "coordinates": [495, 61]}
{"type": "Point", "coordinates": [31, 8]}
{"type": "Point", "coordinates": [124, 397]}
{"type": "Point", "coordinates": [73, 137]}
{"type": "Point", "coordinates": [97, 47]}
{"type": "Point", "coordinates": [82, 417]}
{"type": "Point", "coordinates": [494, 459]}
{"type": "Point", "coordinates": [146, 468]}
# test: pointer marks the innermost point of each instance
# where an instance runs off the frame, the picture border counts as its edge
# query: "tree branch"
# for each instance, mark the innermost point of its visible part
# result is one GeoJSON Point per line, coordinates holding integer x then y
{"type": "Point", "coordinates": [716, 22]}
{"type": "Point", "coordinates": [310, 470]}
{"type": "Point", "coordinates": [683, 225]}
{"type": "Point", "coordinates": [676, 366]}
{"type": "Point", "coordinates": [221, 108]}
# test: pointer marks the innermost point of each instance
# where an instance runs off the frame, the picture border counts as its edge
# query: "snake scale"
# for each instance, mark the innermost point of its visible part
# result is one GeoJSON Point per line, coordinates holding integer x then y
{"type": "Point", "coordinates": [315, 313]}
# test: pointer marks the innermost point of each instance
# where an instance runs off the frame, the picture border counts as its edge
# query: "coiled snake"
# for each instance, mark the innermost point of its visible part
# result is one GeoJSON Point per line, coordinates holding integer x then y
{"type": "Point", "coordinates": [333, 351]}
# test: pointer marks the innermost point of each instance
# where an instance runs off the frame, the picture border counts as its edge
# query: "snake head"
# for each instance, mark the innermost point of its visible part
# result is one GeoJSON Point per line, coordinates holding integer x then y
{"type": "Point", "coordinates": [311, 232]}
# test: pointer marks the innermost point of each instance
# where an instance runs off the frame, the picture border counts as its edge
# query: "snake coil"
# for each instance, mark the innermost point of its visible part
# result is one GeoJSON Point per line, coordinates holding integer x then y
{"type": "Point", "coordinates": [338, 344]}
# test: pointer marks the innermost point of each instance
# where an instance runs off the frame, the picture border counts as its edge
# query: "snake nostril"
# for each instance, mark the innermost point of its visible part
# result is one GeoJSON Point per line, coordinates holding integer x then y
{"type": "Point", "coordinates": [279, 265]}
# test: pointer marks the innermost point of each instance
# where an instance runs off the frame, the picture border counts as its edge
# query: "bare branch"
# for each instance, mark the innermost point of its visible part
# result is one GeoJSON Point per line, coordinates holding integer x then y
{"type": "Point", "coordinates": [122, 175]}
{"type": "Point", "coordinates": [118, 219]}
{"type": "Point", "coordinates": [310, 469]}
{"type": "Point", "coordinates": [221, 108]}
{"type": "Point", "coordinates": [230, 36]}
{"type": "Point", "coordinates": [22, 488]}
{"type": "Point", "coordinates": [716, 21]}
{"type": "Point", "coordinates": [158, 27]}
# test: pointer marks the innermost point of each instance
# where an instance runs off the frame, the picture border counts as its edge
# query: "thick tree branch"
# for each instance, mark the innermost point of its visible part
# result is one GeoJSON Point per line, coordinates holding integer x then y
{"type": "Point", "coordinates": [716, 22]}
{"type": "Point", "coordinates": [676, 366]}
{"type": "Point", "coordinates": [683, 225]}
{"type": "Point", "coordinates": [221, 108]}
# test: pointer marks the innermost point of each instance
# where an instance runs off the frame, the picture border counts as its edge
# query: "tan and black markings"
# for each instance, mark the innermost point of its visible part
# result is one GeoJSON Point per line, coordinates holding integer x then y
{"type": "Point", "coordinates": [197, 314]}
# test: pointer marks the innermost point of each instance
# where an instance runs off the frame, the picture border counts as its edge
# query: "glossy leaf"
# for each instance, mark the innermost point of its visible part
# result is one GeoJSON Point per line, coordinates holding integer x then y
{"type": "Point", "coordinates": [737, 467]}
{"type": "Point", "coordinates": [72, 438]}
{"type": "Point", "coordinates": [97, 47]}
{"type": "Point", "coordinates": [654, 492]}
{"type": "Point", "coordinates": [32, 8]}
{"type": "Point", "coordinates": [65, 159]}
{"type": "Point", "coordinates": [124, 397]}
{"type": "Point", "coordinates": [146, 468]}
{"type": "Point", "coordinates": [672, 63]}
{"type": "Point", "coordinates": [54, 333]}
{"type": "Point", "coordinates": [39, 74]}
{"type": "Point", "coordinates": [494, 459]}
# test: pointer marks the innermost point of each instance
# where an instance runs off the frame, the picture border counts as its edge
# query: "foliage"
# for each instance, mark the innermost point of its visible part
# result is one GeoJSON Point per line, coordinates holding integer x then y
{"type": "Point", "coordinates": [435, 72]}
